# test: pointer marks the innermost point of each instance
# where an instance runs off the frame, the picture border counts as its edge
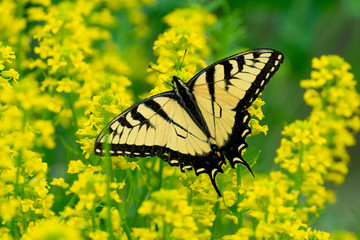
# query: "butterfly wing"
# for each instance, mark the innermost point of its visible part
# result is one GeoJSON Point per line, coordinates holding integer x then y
{"type": "Point", "coordinates": [156, 126]}
{"type": "Point", "coordinates": [223, 92]}
{"type": "Point", "coordinates": [161, 126]}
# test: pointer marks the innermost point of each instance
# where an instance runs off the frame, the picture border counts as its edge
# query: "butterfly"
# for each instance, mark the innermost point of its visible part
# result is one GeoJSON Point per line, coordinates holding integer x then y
{"type": "Point", "coordinates": [199, 124]}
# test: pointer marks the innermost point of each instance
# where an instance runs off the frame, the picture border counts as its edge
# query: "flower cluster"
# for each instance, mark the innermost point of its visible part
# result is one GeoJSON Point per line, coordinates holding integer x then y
{"type": "Point", "coordinates": [185, 35]}
{"type": "Point", "coordinates": [169, 210]}
{"type": "Point", "coordinates": [6, 58]}
{"type": "Point", "coordinates": [313, 151]}
{"type": "Point", "coordinates": [70, 60]}
{"type": "Point", "coordinates": [24, 195]}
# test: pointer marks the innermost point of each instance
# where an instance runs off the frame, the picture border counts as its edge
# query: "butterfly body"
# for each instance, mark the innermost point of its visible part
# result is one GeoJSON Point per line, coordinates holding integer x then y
{"type": "Point", "coordinates": [187, 99]}
{"type": "Point", "coordinates": [200, 123]}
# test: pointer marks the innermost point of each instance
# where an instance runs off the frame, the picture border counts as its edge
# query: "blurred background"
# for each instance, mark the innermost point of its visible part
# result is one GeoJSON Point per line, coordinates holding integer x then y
{"type": "Point", "coordinates": [301, 30]}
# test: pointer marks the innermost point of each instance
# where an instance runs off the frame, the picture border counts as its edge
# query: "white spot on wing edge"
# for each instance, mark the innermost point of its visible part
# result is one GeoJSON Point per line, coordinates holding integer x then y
{"type": "Point", "coordinates": [244, 132]}
{"type": "Point", "coordinates": [245, 118]}
{"type": "Point", "coordinates": [187, 167]}
{"type": "Point", "coordinates": [200, 170]}
{"type": "Point", "coordinates": [213, 172]}
{"type": "Point", "coordinates": [98, 150]}
{"type": "Point", "coordinates": [174, 161]}
{"type": "Point", "coordinates": [237, 160]}
{"type": "Point", "coordinates": [241, 147]}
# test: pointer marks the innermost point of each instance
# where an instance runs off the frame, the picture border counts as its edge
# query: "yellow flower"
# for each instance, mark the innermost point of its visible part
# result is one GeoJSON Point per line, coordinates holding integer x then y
{"type": "Point", "coordinates": [76, 166]}
{"type": "Point", "coordinates": [145, 234]}
{"type": "Point", "coordinates": [66, 85]}
{"type": "Point", "coordinates": [27, 205]}
{"type": "Point", "coordinates": [256, 128]}
{"type": "Point", "coordinates": [8, 209]}
{"type": "Point", "coordinates": [98, 235]}
{"type": "Point", "coordinates": [10, 74]}
{"type": "Point", "coordinates": [51, 229]}
{"type": "Point", "coordinates": [59, 182]}
{"type": "Point", "coordinates": [242, 234]}
{"type": "Point", "coordinates": [187, 27]}
{"type": "Point", "coordinates": [11, 24]}
{"type": "Point", "coordinates": [6, 57]}
{"type": "Point", "coordinates": [314, 150]}
{"type": "Point", "coordinates": [170, 207]}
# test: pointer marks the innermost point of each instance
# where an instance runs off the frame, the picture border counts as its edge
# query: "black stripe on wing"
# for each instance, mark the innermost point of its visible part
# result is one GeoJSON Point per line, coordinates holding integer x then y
{"type": "Point", "coordinates": [261, 79]}
{"type": "Point", "coordinates": [110, 132]}
{"type": "Point", "coordinates": [248, 59]}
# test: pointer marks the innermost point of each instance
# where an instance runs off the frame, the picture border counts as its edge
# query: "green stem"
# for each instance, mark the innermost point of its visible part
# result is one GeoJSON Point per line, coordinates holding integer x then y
{"type": "Point", "coordinates": [298, 174]}
{"type": "Point", "coordinates": [138, 203]}
{"type": "Point", "coordinates": [93, 222]}
{"type": "Point", "coordinates": [164, 229]}
{"type": "Point", "coordinates": [15, 232]}
{"type": "Point", "coordinates": [161, 167]}
{"type": "Point", "coordinates": [68, 147]}
{"type": "Point", "coordinates": [20, 49]}
{"type": "Point", "coordinates": [132, 189]}
{"type": "Point", "coordinates": [72, 107]}
{"type": "Point", "coordinates": [239, 197]}
{"type": "Point", "coordinates": [124, 221]}
{"type": "Point", "coordinates": [24, 222]}
{"type": "Point", "coordinates": [109, 177]}
{"type": "Point", "coordinates": [217, 208]}
{"type": "Point", "coordinates": [69, 204]}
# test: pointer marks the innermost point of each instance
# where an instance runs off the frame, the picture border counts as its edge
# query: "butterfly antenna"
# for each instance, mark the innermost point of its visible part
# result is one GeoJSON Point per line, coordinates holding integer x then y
{"type": "Point", "coordinates": [182, 61]}
{"type": "Point", "coordinates": [161, 73]}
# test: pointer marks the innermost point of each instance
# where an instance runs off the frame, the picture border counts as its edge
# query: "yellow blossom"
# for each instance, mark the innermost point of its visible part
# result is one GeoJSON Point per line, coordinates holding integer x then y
{"type": "Point", "coordinates": [59, 182]}
{"type": "Point", "coordinates": [98, 235]}
{"type": "Point", "coordinates": [76, 166]}
{"type": "Point", "coordinates": [51, 229]}
{"type": "Point", "coordinates": [8, 209]}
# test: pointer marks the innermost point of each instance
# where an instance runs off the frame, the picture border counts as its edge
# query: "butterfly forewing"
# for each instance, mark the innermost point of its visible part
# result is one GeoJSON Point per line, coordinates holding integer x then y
{"type": "Point", "coordinates": [163, 126]}
{"type": "Point", "coordinates": [157, 126]}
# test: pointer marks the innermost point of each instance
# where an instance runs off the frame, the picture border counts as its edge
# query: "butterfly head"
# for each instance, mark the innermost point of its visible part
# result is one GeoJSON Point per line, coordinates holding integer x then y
{"type": "Point", "coordinates": [179, 86]}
